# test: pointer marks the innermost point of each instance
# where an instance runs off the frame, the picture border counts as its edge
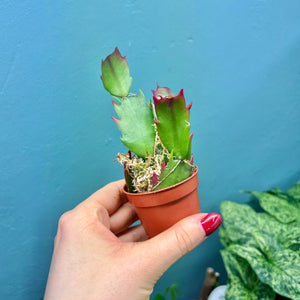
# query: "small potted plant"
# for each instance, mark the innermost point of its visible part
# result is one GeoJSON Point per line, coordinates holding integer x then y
{"type": "Point", "coordinates": [161, 178]}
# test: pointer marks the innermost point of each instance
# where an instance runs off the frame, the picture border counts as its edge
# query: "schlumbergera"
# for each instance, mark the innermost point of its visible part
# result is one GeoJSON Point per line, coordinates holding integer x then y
{"type": "Point", "coordinates": [156, 133]}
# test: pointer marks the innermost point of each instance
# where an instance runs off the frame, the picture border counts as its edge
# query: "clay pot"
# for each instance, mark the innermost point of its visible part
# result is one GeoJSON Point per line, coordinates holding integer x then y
{"type": "Point", "coordinates": [161, 209]}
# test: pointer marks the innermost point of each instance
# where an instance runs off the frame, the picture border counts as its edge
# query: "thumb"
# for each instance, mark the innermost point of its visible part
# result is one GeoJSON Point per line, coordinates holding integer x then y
{"type": "Point", "coordinates": [184, 236]}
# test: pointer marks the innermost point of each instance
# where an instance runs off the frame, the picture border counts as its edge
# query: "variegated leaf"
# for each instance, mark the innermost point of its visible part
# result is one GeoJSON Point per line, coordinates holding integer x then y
{"type": "Point", "coordinates": [280, 205]}
{"type": "Point", "coordinates": [243, 283]}
{"type": "Point", "coordinates": [295, 191]}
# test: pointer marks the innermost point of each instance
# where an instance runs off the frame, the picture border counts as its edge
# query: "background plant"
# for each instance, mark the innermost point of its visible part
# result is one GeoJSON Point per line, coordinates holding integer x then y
{"type": "Point", "coordinates": [262, 249]}
{"type": "Point", "coordinates": [171, 292]}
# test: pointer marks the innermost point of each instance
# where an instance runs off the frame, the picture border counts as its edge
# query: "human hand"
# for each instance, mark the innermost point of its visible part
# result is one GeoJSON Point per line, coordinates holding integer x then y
{"type": "Point", "coordinates": [97, 256]}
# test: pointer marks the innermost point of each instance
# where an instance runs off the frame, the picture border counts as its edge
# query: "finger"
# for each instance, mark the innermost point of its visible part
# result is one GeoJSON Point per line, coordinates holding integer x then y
{"type": "Point", "coordinates": [123, 218]}
{"type": "Point", "coordinates": [111, 197]}
{"type": "Point", "coordinates": [133, 234]}
{"type": "Point", "coordinates": [167, 247]}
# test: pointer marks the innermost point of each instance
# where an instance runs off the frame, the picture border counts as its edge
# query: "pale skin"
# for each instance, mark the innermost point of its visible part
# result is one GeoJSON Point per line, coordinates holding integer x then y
{"type": "Point", "coordinates": [97, 256]}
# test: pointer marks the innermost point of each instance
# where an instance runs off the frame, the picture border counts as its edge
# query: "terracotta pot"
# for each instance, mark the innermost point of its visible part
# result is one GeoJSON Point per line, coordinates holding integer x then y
{"type": "Point", "coordinates": [161, 209]}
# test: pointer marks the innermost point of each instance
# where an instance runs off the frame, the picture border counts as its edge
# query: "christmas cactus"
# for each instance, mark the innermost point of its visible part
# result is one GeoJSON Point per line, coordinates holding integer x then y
{"type": "Point", "coordinates": [156, 133]}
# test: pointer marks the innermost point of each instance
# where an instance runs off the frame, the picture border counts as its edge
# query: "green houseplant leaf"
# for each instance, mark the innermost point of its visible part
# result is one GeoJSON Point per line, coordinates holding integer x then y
{"type": "Point", "coordinates": [224, 237]}
{"type": "Point", "coordinates": [269, 244]}
{"type": "Point", "coordinates": [243, 283]}
{"type": "Point", "coordinates": [280, 270]}
{"type": "Point", "coordinates": [172, 290]}
{"type": "Point", "coordinates": [284, 207]}
{"type": "Point", "coordinates": [240, 220]}
{"type": "Point", "coordinates": [295, 191]}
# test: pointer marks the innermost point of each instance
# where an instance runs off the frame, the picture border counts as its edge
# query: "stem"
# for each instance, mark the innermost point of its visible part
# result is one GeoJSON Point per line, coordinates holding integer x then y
{"type": "Point", "coordinates": [117, 99]}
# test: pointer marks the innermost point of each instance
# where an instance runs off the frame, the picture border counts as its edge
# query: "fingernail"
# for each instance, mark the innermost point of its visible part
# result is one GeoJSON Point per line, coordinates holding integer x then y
{"type": "Point", "coordinates": [211, 222]}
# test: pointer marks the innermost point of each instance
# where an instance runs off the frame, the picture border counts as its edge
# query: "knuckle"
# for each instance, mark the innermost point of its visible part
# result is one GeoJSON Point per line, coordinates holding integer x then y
{"type": "Point", "coordinates": [65, 223]}
{"type": "Point", "coordinates": [101, 210]}
{"type": "Point", "coordinates": [102, 216]}
{"type": "Point", "coordinates": [184, 241]}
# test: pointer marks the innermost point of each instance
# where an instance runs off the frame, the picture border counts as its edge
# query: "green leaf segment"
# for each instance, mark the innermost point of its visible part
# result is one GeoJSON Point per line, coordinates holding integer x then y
{"type": "Point", "coordinates": [136, 124]}
{"type": "Point", "coordinates": [157, 133]}
{"type": "Point", "coordinates": [175, 171]}
{"type": "Point", "coordinates": [115, 74]}
{"type": "Point", "coordinates": [173, 118]}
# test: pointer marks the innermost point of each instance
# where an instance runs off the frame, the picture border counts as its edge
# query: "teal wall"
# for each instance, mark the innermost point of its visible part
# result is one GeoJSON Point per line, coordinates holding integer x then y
{"type": "Point", "coordinates": [238, 61]}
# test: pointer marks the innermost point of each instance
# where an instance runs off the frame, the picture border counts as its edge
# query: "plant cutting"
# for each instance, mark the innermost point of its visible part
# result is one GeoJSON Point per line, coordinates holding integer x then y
{"type": "Point", "coordinates": [161, 178]}
{"type": "Point", "coordinates": [170, 292]}
{"type": "Point", "coordinates": [262, 249]}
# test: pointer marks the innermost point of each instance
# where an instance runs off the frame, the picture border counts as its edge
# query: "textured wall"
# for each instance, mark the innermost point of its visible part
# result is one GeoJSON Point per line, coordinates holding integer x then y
{"type": "Point", "coordinates": [238, 61]}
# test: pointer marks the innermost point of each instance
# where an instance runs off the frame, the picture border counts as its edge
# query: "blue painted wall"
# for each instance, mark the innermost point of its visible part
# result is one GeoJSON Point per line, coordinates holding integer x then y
{"type": "Point", "coordinates": [238, 61]}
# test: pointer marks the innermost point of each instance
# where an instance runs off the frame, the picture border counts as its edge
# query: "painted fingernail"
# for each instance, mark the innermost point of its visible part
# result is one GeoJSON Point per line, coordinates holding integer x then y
{"type": "Point", "coordinates": [211, 222]}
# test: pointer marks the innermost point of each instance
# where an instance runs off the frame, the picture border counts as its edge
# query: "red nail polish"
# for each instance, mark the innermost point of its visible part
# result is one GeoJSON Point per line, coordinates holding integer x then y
{"type": "Point", "coordinates": [211, 222]}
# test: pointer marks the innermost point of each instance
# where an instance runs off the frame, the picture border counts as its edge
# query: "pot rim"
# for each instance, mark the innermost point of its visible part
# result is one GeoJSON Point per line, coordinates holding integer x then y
{"type": "Point", "coordinates": [165, 195]}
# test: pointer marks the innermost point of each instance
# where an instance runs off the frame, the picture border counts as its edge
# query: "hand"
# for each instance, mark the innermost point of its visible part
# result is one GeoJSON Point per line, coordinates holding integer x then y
{"type": "Point", "coordinates": [97, 256]}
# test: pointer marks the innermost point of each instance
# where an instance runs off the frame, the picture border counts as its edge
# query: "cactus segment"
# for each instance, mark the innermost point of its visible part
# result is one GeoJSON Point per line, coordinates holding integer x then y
{"type": "Point", "coordinates": [189, 154]}
{"type": "Point", "coordinates": [175, 172]}
{"type": "Point", "coordinates": [163, 92]}
{"type": "Point", "coordinates": [128, 180]}
{"type": "Point", "coordinates": [173, 121]}
{"type": "Point", "coordinates": [136, 124]}
{"type": "Point", "coordinates": [115, 74]}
